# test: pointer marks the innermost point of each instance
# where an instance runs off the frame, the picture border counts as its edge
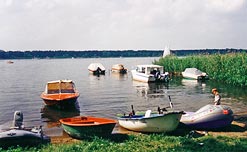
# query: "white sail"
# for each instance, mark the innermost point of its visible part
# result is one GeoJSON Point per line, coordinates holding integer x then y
{"type": "Point", "coordinates": [167, 51]}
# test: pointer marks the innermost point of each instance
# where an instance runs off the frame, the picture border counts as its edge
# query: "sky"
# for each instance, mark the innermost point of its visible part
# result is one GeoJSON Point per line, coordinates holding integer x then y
{"type": "Point", "coordinates": [122, 24]}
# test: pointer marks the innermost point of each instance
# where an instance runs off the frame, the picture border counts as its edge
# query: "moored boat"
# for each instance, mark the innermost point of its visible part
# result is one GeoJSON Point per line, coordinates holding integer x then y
{"type": "Point", "coordinates": [60, 93]}
{"type": "Point", "coordinates": [150, 73]}
{"type": "Point", "coordinates": [118, 68]}
{"type": "Point", "coordinates": [194, 73]}
{"type": "Point", "coordinates": [22, 137]}
{"type": "Point", "coordinates": [208, 117]}
{"type": "Point", "coordinates": [87, 126]}
{"type": "Point", "coordinates": [151, 122]}
{"type": "Point", "coordinates": [96, 68]}
{"type": "Point", "coordinates": [18, 135]}
{"type": "Point", "coordinates": [10, 62]}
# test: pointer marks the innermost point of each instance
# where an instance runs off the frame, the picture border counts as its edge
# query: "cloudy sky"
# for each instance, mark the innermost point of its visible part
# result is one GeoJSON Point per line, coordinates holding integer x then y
{"type": "Point", "coordinates": [122, 24]}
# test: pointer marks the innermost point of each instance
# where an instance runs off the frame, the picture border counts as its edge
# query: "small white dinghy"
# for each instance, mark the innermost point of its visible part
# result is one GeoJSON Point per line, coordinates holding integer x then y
{"type": "Point", "coordinates": [150, 122]}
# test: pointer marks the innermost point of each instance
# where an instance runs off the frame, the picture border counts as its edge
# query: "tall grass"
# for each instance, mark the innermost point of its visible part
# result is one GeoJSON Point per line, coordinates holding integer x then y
{"type": "Point", "coordinates": [228, 68]}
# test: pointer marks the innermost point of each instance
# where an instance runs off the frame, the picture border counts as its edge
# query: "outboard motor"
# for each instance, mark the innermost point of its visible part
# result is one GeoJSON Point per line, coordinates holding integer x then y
{"type": "Point", "coordinates": [18, 120]}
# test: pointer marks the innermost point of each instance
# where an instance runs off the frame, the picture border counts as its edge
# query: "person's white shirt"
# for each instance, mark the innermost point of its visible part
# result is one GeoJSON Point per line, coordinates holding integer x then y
{"type": "Point", "coordinates": [217, 99]}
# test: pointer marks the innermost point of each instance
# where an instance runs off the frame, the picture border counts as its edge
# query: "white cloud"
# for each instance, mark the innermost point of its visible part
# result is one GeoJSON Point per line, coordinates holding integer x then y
{"type": "Point", "coordinates": [122, 24]}
{"type": "Point", "coordinates": [226, 5]}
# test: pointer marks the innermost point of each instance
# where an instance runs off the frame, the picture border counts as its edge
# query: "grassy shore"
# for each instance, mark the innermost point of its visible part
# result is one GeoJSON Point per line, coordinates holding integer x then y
{"type": "Point", "coordinates": [151, 142]}
{"type": "Point", "coordinates": [228, 68]}
{"type": "Point", "coordinates": [228, 139]}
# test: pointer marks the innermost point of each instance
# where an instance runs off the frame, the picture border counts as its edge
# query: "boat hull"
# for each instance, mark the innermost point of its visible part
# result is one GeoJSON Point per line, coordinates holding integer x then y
{"type": "Point", "coordinates": [193, 73]}
{"type": "Point", "coordinates": [16, 137]}
{"type": "Point", "coordinates": [142, 77]}
{"type": "Point", "coordinates": [194, 77]}
{"type": "Point", "coordinates": [97, 72]}
{"type": "Point", "coordinates": [88, 127]}
{"type": "Point", "coordinates": [156, 123]}
{"type": "Point", "coordinates": [208, 117]}
{"type": "Point", "coordinates": [96, 68]}
{"type": "Point", "coordinates": [118, 68]}
{"type": "Point", "coordinates": [121, 71]}
{"type": "Point", "coordinates": [56, 100]}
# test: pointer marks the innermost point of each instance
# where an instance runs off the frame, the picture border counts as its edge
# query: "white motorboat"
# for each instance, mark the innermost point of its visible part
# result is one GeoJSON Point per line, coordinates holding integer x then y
{"type": "Point", "coordinates": [96, 68]}
{"type": "Point", "coordinates": [150, 73]}
{"type": "Point", "coordinates": [194, 73]}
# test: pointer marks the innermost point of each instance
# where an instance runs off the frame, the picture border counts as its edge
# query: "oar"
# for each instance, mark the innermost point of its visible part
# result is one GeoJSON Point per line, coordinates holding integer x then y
{"type": "Point", "coordinates": [170, 102]}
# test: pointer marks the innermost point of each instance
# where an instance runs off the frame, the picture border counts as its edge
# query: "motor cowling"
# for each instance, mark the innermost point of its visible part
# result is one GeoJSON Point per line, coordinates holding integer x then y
{"type": "Point", "coordinates": [18, 120]}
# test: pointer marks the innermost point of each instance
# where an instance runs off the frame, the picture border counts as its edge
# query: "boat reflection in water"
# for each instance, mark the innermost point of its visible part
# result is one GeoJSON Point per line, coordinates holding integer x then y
{"type": "Point", "coordinates": [119, 76]}
{"type": "Point", "coordinates": [193, 83]}
{"type": "Point", "coordinates": [151, 90]}
{"type": "Point", "coordinates": [51, 115]}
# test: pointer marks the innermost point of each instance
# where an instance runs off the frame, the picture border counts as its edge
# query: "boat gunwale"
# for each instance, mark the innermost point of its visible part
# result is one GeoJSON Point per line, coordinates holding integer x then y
{"type": "Point", "coordinates": [62, 96]}
{"type": "Point", "coordinates": [142, 117]}
{"type": "Point", "coordinates": [93, 121]}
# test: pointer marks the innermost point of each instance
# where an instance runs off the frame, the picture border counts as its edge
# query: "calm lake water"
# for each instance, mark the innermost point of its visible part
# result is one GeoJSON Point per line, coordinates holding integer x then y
{"type": "Point", "coordinates": [104, 96]}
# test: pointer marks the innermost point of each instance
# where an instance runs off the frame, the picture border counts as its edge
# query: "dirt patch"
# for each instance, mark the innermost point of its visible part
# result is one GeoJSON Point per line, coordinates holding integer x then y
{"type": "Point", "coordinates": [65, 139]}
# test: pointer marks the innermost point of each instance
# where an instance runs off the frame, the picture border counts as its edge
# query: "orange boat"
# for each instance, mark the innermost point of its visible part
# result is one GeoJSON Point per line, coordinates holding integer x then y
{"type": "Point", "coordinates": [61, 93]}
{"type": "Point", "coordinates": [87, 126]}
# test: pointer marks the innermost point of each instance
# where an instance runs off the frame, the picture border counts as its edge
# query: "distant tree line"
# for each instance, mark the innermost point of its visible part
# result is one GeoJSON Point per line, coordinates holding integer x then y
{"type": "Point", "coordinates": [105, 53]}
{"type": "Point", "coordinates": [207, 51]}
{"type": "Point", "coordinates": [77, 54]}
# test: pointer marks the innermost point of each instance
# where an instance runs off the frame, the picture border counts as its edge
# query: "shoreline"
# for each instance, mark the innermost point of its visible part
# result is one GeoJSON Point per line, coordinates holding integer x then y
{"type": "Point", "coordinates": [237, 129]}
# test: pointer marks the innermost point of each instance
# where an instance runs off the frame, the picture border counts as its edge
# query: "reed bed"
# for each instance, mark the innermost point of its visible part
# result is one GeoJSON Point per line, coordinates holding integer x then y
{"type": "Point", "coordinates": [228, 68]}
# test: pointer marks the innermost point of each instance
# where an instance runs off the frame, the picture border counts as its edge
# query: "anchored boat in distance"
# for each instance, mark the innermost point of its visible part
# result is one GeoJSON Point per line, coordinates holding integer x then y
{"type": "Point", "coordinates": [96, 68]}
{"type": "Point", "coordinates": [150, 73]}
